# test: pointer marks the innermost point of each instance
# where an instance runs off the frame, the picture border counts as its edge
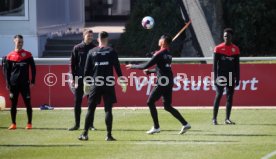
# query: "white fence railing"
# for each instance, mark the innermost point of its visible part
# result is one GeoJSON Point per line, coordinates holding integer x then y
{"type": "Point", "coordinates": [64, 61]}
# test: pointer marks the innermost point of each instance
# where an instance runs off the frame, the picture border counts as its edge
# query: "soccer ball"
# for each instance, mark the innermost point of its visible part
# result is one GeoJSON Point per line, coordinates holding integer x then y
{"type": "Point", "coordinates": [148, 22]}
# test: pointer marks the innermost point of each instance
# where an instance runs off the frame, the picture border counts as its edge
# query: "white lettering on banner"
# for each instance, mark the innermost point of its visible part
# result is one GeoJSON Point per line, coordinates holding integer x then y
{"type": "Point", "coordinates": [150, 83]}
{"type": "Point", "coordinates": [196, 86]}
{"type": "Point", "coordinates": [205, 84]}
{"type": "Point", "coordinates": [177, 83]}
{"type": "Point", "coordinates": [244, 83]}
{"type": "Point", "coordinates": [186, 84]}
{"type": "Point", "coordinates": [140, 84]}
{"type": "Point", "coordinates": [254, 81]}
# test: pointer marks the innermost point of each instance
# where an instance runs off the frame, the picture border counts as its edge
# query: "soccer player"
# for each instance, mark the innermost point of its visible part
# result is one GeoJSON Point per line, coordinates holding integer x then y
{"type": "Point", "coordinates": [99, 79]}
{"type": "Point", "coordinates": [18, 64]}
{"type": "Point", "coordinates": [226, 69]}
{"type": "Point", "coordinates": [162, 59]}
{"type": "Point", "coordinates": [78, 59]}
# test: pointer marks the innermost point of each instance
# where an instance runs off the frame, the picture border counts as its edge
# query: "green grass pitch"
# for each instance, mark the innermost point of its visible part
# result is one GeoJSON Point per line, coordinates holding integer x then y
{"type": "Point", "coordinates": [253, 137]}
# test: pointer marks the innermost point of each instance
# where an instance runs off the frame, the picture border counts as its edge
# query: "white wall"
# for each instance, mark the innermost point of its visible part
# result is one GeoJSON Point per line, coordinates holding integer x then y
{"type": "Point", "coordinates": [30, 44]}
{"type": "Point", "coordinates": [45, 16]}
{"type": "Point", "coordinates": [9, 28]}
{"type": "Point", "coordinates": [122, 7]}
{"type": "Point", "coordinates": [77, 12]}
{"type": "Point", "coordinates": [58, 15]}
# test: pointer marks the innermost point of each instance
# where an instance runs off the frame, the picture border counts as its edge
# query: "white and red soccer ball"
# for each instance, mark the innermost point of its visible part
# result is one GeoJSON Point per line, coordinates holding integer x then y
{"type": "Point", "coordinates": [148, 22]}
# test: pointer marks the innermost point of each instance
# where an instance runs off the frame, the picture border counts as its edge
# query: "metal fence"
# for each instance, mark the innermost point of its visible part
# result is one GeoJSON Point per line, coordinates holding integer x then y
{"type": "Point", "coordinates": [64, 61]}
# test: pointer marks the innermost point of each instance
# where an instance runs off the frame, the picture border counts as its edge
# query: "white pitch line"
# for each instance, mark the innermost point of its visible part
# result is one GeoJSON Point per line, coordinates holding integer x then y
{"type": "Point", "coordinates": [161, 107]}
{"type": "Point", "coordinates": [268, 156]}
{"type": "Point", "coordinates": [177, 143]}
{"type": "Point", "coordinates": [167, 143]}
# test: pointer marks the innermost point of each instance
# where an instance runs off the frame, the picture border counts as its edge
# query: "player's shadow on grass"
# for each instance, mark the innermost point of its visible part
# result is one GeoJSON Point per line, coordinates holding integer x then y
{"type": "Point", "coordinates": [127, 130]}
{"type": "Point", "coordinates": [144, 130]}
{"type": "Point", "coordinates": [260, 124]}
{"type": "Point", "coordinates": [241, 135]}
{"type": "Point", "coordinates": [50, 128]}
{"type": "Point", "coordinates": [40, 145]}
{"type": "Point", "coordinates": [22, 128]}
{"type": "Point", "coordinates": [182, 141]}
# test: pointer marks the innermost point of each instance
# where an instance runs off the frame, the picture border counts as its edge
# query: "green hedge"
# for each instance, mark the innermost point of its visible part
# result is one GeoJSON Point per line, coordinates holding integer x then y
{"type": "Point", "coordinates": [254, 23]}
{"type": "Point", "coordinates": [252, 20]}
{"type": "Point", "coordinates": [137, 41]}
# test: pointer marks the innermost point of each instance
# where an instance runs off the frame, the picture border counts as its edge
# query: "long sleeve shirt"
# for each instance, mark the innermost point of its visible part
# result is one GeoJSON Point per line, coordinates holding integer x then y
{"type": "Point", "coordinates": [100, 63]}
{"type": "Point", "coordinates": [162, 59]}
{"type": "Point", "coordinates": [18, 65]}
{"type": "Point", "coordinates": [78, 58]}
{"type": "Point", "coordinates": [226, 60]}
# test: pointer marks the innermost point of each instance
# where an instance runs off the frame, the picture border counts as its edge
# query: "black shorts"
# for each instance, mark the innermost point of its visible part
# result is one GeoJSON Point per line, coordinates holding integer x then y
{"type": "Point", "coordinates": [108, 94]}
{"type": "Point", "coordinates": [24, 89]}
{"type": "Point", "coordinates": [161, 91]}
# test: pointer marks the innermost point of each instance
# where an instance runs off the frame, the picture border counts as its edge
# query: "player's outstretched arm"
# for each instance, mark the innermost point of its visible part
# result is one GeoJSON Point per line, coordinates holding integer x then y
{"type": "Point", "coordinates": [146, 65]}
{"type": "Point", "coordinates": [149, 71]}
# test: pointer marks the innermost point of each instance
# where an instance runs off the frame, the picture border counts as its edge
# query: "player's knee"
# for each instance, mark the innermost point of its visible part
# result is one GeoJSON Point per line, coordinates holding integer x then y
{"type": "Point", "coordinates": [168, 107]}
{"type": "Point", "coordinates": [219, 94]}
{"type": "Point", "coordinates": [219, 91]}
{"type": "Point", "coordinates": [150, 103]}
{"type": "Point", "coordinates": [77, 108]}
{"type": "Point", "coordinates": [229, 94]}
{"type": "Point", "coordinates": [108, 109]}
{"type": "Point", "coordinates": [91, 109]}
{"type": "Point", "coordinates": [13, 108]}
{"type": "Point", "coordinates": [229, 98]}
{"type": "Point", "coordinates": [28, 103]}
{"type": "Point", "coordinates": [29, 109]}
{"type": "Point", "coordinates": [91, 105]}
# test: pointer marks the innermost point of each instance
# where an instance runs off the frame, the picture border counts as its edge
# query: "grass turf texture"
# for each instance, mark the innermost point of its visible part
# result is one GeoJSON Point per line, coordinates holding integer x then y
{"type": "Point", "coordinates": [254, 136]}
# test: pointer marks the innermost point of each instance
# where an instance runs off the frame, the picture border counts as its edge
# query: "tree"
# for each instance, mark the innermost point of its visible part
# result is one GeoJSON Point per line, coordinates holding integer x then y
{"type": "Point", "coordinates": [254, 25]}
{"type": "Point", "coordinates": [137, 41]}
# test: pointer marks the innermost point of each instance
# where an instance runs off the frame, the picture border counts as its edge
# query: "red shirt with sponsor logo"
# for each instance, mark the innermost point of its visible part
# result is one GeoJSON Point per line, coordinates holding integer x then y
{"type": "Point", "coordinates": [226, 60]}
{"type": "Point", "coordinates": [228, 50]}
{"type": "Point", "coordinates": [18, 65]}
